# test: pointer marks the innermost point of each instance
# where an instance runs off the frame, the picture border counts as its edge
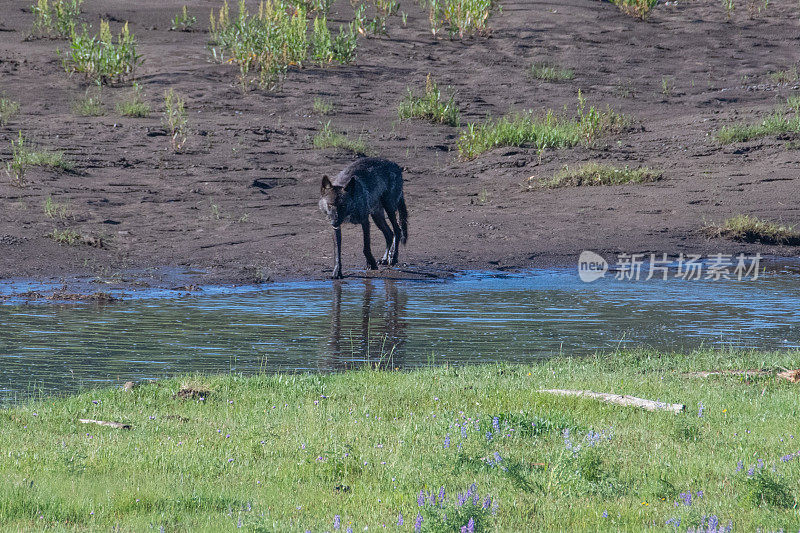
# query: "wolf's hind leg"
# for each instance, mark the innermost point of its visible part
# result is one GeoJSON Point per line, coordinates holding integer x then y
{"type": "Point", "coordinates": [393, 253]}
{"type": "Point", "coordinates": [377, 217]}
{"type": "Point", "coordinates": [371, 264]}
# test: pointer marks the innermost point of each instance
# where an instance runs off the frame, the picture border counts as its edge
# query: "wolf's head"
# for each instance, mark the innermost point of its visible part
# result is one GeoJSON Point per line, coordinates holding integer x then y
{"type": "Point", "coordinates": [334, 201]}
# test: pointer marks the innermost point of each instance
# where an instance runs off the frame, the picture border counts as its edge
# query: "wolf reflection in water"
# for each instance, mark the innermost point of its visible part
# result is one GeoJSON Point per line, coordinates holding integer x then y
{"type": "Point", "coordinates": [376, 335]}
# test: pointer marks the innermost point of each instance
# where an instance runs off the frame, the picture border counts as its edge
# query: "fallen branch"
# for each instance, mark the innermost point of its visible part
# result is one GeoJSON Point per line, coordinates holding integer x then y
{"type": "Point", "coordinates": [790, 375]}
{"type": "Point", "coordinates": [745, 373]}
{"type": "Point", "coordinates": [115, 425]}
{"type": "Point", "coordinates": [618, 399]}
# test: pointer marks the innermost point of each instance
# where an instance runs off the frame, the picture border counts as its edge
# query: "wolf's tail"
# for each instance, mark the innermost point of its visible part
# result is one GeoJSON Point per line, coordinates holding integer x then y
{"type": "Point", "coordinates": [403, 211]}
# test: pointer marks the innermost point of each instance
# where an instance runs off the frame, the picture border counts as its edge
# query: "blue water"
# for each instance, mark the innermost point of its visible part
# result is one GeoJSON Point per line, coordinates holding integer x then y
{"type": "Point", "coordinates": [324, 326]}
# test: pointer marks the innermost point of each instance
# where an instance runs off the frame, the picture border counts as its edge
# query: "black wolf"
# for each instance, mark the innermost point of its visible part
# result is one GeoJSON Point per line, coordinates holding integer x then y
{"type": "Point", "coordinates": [367, 187]}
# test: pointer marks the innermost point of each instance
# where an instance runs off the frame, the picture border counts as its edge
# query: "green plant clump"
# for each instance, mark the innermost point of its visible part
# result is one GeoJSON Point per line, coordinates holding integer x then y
{"type": "Point", "coordinates": [542, 132]}
{"type": "Point", "coordinates": [596, 174]}
{"type": "Point", "coordinates": [430, 106]}
{"type": "Point", "coordinates": [752, 229]}
{"type": "Point", "coordinates": [57, 18]}
{"type": "Point", "coordinates": [102, 60]}
{"type": "Point", "coordinates": [328, 138]}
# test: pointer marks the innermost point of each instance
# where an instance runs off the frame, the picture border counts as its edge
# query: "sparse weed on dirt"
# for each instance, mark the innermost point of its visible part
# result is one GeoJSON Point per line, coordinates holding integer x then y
{"type": "Point", "coordinates": [430, 106]}
{"type": "Point", "coordinates": [55, 18]}
{"type": "Point", "coordinates": [23, 157]}
{"type": "Point", "coordinates": [328, 138]}
{"type": "Point", "coordinates": [8, 108]}
{"type": "Point", "coordinates": [752, 229]}
{"type": "Point", "coordinates": [134, 105]}
{"type": "Point", "coordinates": [462, 18]}
{"type": "Point", "coordinates": [380, 10]}
{"type": "Point", "coordinates": [322, 107]}
{"type": "Point", "coordinates": [591, 174]}
{"type": "Point", "coordinates": [541, 132]}
{"type": "Point", "coordinates": [639, 9]}
{"type": "Point", "coordinates": [174, 119]}
{"type": "Point", "coordinates": [183, 21]}
{"type": "Point", "coordinates": [99, 58]}
{"type": "Point", "coordinates": [70, 237]}
{"type": "Point", "coordinates": [55, 210]}
{"type": "Point", "coordinates": [777, 123]}
{"type": "Point", "coordinates": [89, 105]}
{"type": "Point", "coordinates": [790, 75]}
{"type": "Point", "coordinates": [550, 72]}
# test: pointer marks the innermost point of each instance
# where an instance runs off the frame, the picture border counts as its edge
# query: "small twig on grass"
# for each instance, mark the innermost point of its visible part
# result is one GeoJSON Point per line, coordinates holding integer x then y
{"type": "Point", "coordinates": [618, 399]}
{"type": "Point", "coordinates": [115, 425]}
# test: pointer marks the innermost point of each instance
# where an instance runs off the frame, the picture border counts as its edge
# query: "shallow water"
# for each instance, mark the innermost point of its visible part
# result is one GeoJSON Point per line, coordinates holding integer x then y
{"type": "Point", "coordinates": [324, 326]}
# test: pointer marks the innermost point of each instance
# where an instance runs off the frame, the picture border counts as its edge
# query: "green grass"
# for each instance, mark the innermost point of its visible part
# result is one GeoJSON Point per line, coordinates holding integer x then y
{"type": "Point", "coordinates": [290, 452]}
{"type": "Point", "coordinates": [55, 210]}
{"type": "Point", "coordinates": [134, 105]}
{"type": "Point", "coordinates": [541, 132]}
{"type": "Point", "coordinates": [752, 229]}
{"type": "Point", "coordinates": [322, 107]}
{"type": "Point", "coordinates": [23, 156]}
{"type": "Point", "coordinates": [430, 106]}
{"type": "Point", "coordinates": [89, 105]}
{"type": "Point", "coordinates": [598, 174]}
{"type": "Point", "coordinates": [70, 237]}
{"type": "Point", "coordinates": [779, 122]}
{"type": "Point", "coordinates": [461, 18]}
{"type": "Point", "coordinates": [328, 138]}
{"type": "Point", "coordinates": [8, 108]}
{"type": "Point", "coordinates": [548, 72]}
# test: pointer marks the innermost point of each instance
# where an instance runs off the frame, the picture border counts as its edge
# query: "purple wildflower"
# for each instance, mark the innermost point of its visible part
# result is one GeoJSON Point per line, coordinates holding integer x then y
{"type": "Point", "coordinates": [337, 522]}
{"type": "Point", "coordinates": [447, 441]}
{"type": "Point", "coordinates": [486, 503]}
{"type": "Point", "coordinates": [497, 457]}
{"type": "Point", "coordinates": [700, 410]}
{"type": "Point", "coordinates": [489, 435]}
{"type": "Point", "coordinates": [400, 519]}
{"type": "Point", "coordinates": [461, 499]}
{"type": "Point", "coordinates": [739, 466]}
{"type": "Point", "coordinates": [421, 498]}
{"type": "Point", "coordinates": [349, 530]}
{"type": "Point", "coordinates": [464, 432]}
{"type": "Point", "coordinates": [605, 513]}
{"type": "Point", "coordinates": [441, 494]}
{"type": "Point", "coordinates": [686, 497]}
{"type": "Point", "coordinates": [496, 424]}
{"type": "Point", "coordinates": [471, 525]}
{"type": "Point", "coordinates": [674, 522]}
{"type": "Point", "coordinates": [433, 498]}
{"type": "Point", "coordinates": [418, 524]}
{"type": "Point", "coordinates": [751, 471]}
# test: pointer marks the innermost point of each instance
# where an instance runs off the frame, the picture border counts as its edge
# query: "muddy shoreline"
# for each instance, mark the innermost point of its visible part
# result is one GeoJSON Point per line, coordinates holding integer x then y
{"type": "Point", "coordinates": [239, 204]}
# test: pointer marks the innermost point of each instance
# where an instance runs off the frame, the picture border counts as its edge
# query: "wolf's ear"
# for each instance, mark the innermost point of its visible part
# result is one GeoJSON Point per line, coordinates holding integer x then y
{"type": "Point", "coordinates": [326, 183]}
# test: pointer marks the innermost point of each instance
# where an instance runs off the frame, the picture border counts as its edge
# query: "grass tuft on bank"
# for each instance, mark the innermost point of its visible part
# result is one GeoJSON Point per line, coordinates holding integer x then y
{"type": "Point", "coordinates": [748, 228]}
{"type": "Point", "coordinates": [592, 174]}
{"type": "Point", "coordinates": [371, 448]}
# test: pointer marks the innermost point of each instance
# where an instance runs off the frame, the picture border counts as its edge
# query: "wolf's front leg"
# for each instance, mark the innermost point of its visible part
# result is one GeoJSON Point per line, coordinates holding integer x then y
{"type": "Point", "coordinates": [337, 241]}
{"type": "Point", "coordinates": [371, 264]}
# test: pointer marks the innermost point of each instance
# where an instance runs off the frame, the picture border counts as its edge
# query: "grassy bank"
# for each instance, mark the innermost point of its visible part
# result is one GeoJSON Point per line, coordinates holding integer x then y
{"type": "Point", "coordinates": [293, 453]}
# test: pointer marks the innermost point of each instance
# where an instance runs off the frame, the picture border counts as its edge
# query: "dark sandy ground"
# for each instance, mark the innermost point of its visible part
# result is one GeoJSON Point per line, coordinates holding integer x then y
{"type": "Point", "coordinates": [240, 204]}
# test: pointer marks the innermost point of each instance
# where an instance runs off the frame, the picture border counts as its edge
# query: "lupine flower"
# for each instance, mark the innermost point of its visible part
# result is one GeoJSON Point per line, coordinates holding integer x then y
{"type": "Point", "coordinates": [421, 498]}
{"type": "Point", "coordinates": [337, 522]}
{"type": "Point", "coordinates": [700, 410]}
{"type": "Point", "coordinates": [739, 466]}
{"type": "Point", "coordinates": [418, 524]}
{"type": "Point", "coordinates": [400, 519]}
{"type": "Point", "coordinates": [486, 503]}
{"type": "Point", "coordinates": [441, 494]}
{"type": "Point", "coordinates": [496, 424]}
{"type": "Point", "coordinates": [686, 497]}
{"type": "Point", "coordinates": [447, 441]}
{"type": "Point", "coordinates": [605, 514]}
{"type": "Point", "coordinates": [464, 432]}
{"type": "Point", "coordinates": [674, 522]}
{"type": "Point", "coordinates": [489, 435]}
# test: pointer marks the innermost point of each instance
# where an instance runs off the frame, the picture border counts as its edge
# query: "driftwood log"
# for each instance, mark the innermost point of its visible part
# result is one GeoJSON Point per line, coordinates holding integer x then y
{"type": "Point", "coordinates": [619, 399]}
{"type": "Point", "coordinates": [115, 425]}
